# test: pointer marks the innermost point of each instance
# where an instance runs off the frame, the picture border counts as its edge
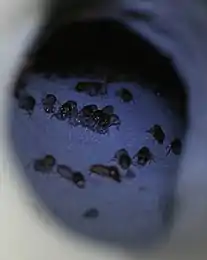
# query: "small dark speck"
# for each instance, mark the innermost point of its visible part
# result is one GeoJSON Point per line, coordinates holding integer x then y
{"type": "Point", "coordinates": [142, 188]}
{"type": "Point", "coordinates": [91, 213]}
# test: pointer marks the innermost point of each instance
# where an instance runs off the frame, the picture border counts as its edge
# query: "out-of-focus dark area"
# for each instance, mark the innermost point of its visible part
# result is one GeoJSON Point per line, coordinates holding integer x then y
{"type": "Point", "coordinates": [108, 49]}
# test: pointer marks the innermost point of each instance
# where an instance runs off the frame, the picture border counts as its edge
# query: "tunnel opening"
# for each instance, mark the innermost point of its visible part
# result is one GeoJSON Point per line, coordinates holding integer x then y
{"type": "Point", "coordinates": [106, 52]}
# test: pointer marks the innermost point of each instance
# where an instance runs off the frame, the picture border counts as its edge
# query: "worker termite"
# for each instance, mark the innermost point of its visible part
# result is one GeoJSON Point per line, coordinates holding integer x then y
{"type": "Point", "coordinates": [68, 110]}
{"type": "Point", "coordinates": [78, 179]}
{"type": "Point", "coordinates": [108, 110]}
{"type": "Point", "coordinates": [97, 116]}
{"type": "Point", "coordinates": [64, 171]}
{"type": "Point", "coordinates": [48, 103]}
{"type": "Point", "coordinates": [102, 122]}
{"type": "Point", "coordinates": [143, 156]}
{"type": "Point", "coordinates": [175, 147]}
{"type": "Point", "coordinates": [85, 115]}
{"type": "Point", "coordinates": [115, 121]}
{"type": "Point", "coordinates": [45, 164]}
{"type": "Point", "coordinates": [106, 171]}
{"type": "Point", "coordinates": [157, 132]}
{"type": "Point", "coordinates": [88, 110]}
{"type": "Point", "coordinates": [27, 103]}
{"type": "Point", "coordinates": [67, 173]}
{"type": "Point", "coordinates": [123, 159]}
{"type": "Point", "coordinates": [91, 88]}
{"type": "Point", "coordinates": [94, 120]}
{"type": "Point", "coordinates": [82, 86]}
{"type": "Point", "coordinates": [125, 95]}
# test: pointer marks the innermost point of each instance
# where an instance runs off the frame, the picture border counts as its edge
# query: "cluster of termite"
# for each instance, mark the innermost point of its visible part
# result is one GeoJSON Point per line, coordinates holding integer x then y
{"type": "Point", "coordinates": [27, 102]}
{"type": "Point", "coordinates": [48, 164]}
{"type": "Point", "coordinates": [98, 120]}
{"type": "Point", "coordinates": [122, 158]}
{"type": "Point", "coordinates": [89, 116]}
{"type": "Point", "coordinates": [98, 88]}
{"type": "Point", "coordinates": [158, 134]}
{"type": "Point", "coordinates": [143, 156]}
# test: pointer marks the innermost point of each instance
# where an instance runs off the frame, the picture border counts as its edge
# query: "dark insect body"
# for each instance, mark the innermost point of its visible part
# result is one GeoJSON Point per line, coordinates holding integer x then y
{"type": "Point", "coordinates": [144, 156]}
{"type": "Point", "coordinates": [106, 171]}
{"type": "Point", "coordinates": [157, 132]}
{"type": "Point", "coordinates": [68, 110]}
{"type": "Point", "coordinates": [91, 213]}
{"type": "Point", "coordinates": [48, 103]}
{"type": "Point", "coordinates": [125, 95]}
{"type": "Point", "coordinates": [175, 147]}
{"type": "Point", "coordinates": [27, 103]}
{"type": "Point", "coordinates": [108, 110]}
{"type": "Point", "coordinates": [123, 159]}
{"type": "Point", "coordinates": [85, 116]}
{"type": "Point", "coordinates": [78, 179]}
{"type": "Point", "coordinates": [91, 88]}
{"type": "Point", "coordinates": [45, 165]}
